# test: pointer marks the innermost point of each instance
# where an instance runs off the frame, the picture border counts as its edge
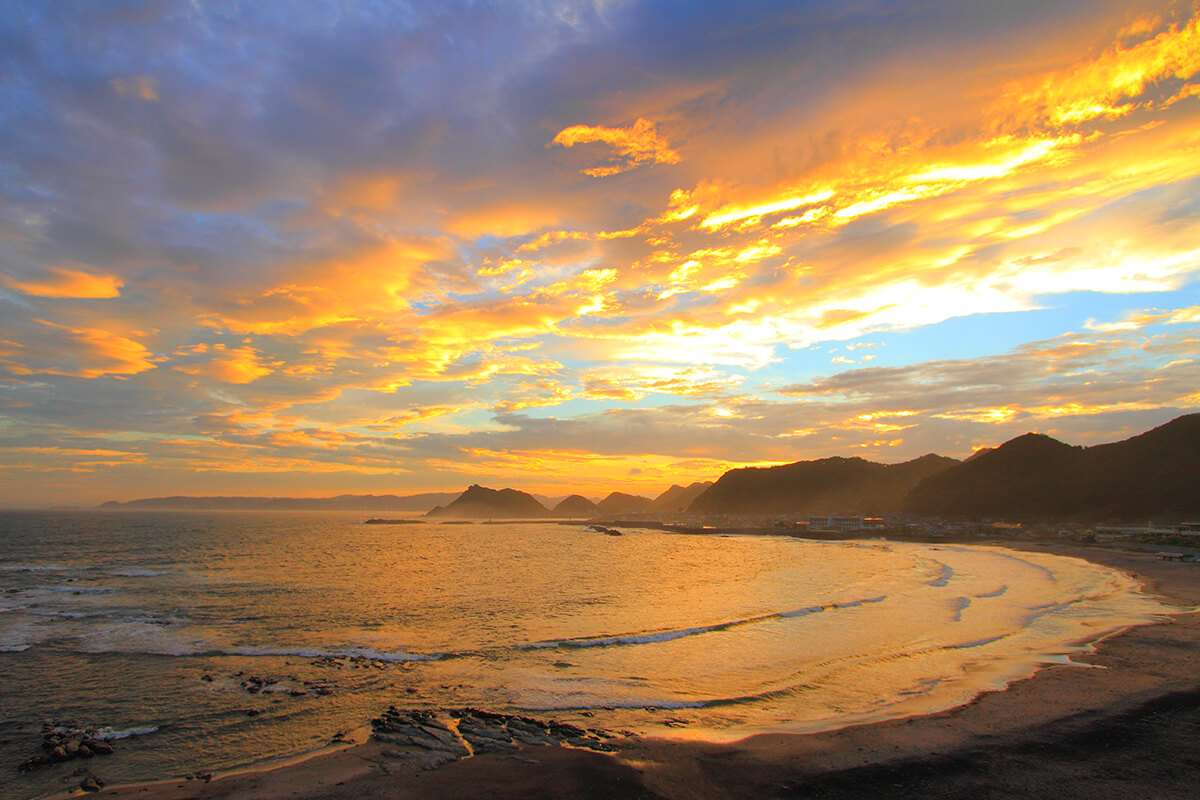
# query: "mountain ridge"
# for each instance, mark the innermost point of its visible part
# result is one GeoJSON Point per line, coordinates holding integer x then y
{"type": "Point", "coordinates": [1155, 473]}
{"type": "Point", "coordinates": [834, 485]}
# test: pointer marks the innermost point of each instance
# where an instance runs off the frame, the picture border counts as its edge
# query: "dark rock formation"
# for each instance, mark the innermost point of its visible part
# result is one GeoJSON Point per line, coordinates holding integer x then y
{"type": "Point", "coordinates": [825, 486]}
{"type": "Point", "coordinates": [431, 740]}
{"type": "Point", "coordinates": [64, 741]}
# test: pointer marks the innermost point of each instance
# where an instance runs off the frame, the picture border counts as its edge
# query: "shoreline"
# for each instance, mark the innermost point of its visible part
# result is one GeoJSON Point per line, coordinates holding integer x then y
{"type": "Point", "coordinates": [1076, 731]}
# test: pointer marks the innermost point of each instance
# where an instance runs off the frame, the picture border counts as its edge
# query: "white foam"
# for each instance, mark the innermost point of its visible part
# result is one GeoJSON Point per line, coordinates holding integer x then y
{"type": "Point", "coordinates": [111, 735]}
{"type": "Point", "coordinates": [654, 637]}
{"type": "Point", "coordinates": [33, 568]}
{"type": "Point", "coordinates": [137, 572]}
{"type": "Point", "coordinates": [132, 636]}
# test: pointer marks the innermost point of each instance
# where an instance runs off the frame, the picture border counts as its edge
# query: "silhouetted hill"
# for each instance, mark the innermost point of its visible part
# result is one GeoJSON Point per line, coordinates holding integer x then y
{"type": "Point", "coordinates": [1156, 474]}
{"type": "Point", "coordinates": [345, 502]}
{"type": "Point", "coordinates": [824, 486]}
{"type": "Point", "coordinates": [574, 506]}
{"type": "Point", "coordinates": [678, 498]}
{"type": "Point", "coordinates": [621, 503]}
{"type": "Point", "coordinates": [478, 502]}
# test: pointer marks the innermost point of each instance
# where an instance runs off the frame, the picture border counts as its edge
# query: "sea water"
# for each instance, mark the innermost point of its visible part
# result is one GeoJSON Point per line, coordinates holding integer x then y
{"type": "Point", "coordinates": [151, 626]}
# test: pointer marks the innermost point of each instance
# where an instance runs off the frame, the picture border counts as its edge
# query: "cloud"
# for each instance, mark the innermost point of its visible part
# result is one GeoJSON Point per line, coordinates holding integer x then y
{"type": "Point", "coordinates": [368, 244]}
{"type": "Point", "coordinates": [1107, 86]}
{"type": "Point", "coordinates": [635, 146]}
{"type": "Point", "coordinates": [237, 365]}
{"type": "Point", "coordinates": [140, 87]}
{"type": "Point", "coordinates": [68, 283]}
{"type": "Point", "coordinates": [55, 349]}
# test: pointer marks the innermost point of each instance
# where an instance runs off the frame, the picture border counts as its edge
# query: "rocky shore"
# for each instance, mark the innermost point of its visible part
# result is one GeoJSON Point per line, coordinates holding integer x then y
{"type": "Point", "coordinates": [67, 741]}
{"type": "Point", "coordinates": [430, 739]}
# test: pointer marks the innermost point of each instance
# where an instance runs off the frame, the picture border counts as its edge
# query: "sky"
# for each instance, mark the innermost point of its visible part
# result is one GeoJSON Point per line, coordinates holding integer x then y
{"type": "Point", "coordinates": [313, 248]}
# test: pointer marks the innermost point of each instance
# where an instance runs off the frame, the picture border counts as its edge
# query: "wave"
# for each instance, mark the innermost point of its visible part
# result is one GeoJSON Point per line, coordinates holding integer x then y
{"type": "Point", "coordinates": [136, 572]}
{"type": "Point", "coordinates": [105, 733]}
{"type": "Point", "coordinates": [34, 568]}
{"type": "Point", "coordinates": [609, 705]}
{"type": "Point", "coordinates": [654, 637]}
{"type": "Point", "coordinates": [112, 735]}
{"type": "Point", "coordinates": [74, 589]}
{"type": "Point", "coordinates": [391, 657]}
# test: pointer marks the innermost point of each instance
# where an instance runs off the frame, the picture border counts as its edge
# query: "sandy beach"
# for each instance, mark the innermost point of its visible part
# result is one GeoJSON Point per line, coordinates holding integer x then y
{"type": "Point", "coordinates": [1120, 722]}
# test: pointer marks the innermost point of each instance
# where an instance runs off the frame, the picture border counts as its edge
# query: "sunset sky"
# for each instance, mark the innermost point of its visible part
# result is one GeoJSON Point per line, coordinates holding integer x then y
{"type": "Point", "coordinates": [308, 248]}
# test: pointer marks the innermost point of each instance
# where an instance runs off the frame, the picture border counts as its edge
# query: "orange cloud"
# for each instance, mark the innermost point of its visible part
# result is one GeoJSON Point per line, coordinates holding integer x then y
{"type": "Point", "coordinates": [238, 365]}
{"type": "Point", "coordinates": [77, 352]}
{"type": "Point", "coordinates": [362, 193]}
{"type": "Point", "coordinates": [69, 283]}
{"type": "Point", "coordinates": [1107, 86]}
{"type": "Point", "coordinates": [376, 282]}
{"type": "Point", "coordinates": [633, 146]}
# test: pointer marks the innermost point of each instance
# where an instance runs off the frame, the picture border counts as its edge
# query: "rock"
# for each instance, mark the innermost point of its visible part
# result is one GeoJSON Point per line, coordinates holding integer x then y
{"type": "Point", "coordinates": [40, 760]}
{"type": "Point", "coordinates": [534, 739]}
{"type": "Point", "coordinates": [84, 751]}
{"type": "Point", "coordinates": [566, 731]}
{"type": "Point", "coordinates": [396, 754]}
{"type": "Point", "coordinates": [436, 759]}
{"type": "Point", "coordinates": [91, 783]}
{"type": "Point", "coordinates": [100, 747]}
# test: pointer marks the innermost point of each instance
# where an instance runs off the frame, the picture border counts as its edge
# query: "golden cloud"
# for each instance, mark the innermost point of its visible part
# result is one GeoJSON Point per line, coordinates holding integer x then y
{"type": "Point", "coordinates": [237, 365]}
{"type": "Point", "coordinates": [1107, 86]}
{"type": "Point", "coordinates": [76, 352]}
{"type": "Point", "coordinates": [635, 382]}
{"type": "Point", "coordinates": [69, 283]}
{"type": "Point", "coordinates": [633, 147]}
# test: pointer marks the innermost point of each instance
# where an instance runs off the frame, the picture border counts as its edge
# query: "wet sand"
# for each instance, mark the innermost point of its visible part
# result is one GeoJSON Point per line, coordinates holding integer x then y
{"type": "Point", "coordinates": [1128, 728]}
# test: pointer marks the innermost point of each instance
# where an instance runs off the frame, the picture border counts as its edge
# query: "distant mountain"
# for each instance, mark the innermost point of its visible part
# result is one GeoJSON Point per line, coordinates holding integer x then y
{"type": "Point", "coordinates": [478, 502]}
{"type": "Point", "coordinates": [824, 486]}
{"type": "Point", "coordinates": [621, 503]}
{"type": "Point", "coordinates": [345, 502]}
{"type": "Point", "coordinates": [678, 498]}
{"type": "Point", "coordinates": [574, 506]}
{"type": "Point", "coordinates": [1156, 474]}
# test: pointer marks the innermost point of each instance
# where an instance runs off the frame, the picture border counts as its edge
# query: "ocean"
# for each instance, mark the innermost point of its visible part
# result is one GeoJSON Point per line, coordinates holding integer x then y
{"type": "Point", "coordinates": [208, 641]}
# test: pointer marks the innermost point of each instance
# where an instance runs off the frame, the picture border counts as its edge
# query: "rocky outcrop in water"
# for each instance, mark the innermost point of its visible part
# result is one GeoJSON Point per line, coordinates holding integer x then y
{"type": "Point", "coordinates": [63, 741]}
{"type": "Point", "coordinates": [431, 740]}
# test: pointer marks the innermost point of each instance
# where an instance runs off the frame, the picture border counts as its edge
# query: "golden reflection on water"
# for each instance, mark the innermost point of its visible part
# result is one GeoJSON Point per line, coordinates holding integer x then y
{"type": "Point", "coordinates": [699, 636]}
